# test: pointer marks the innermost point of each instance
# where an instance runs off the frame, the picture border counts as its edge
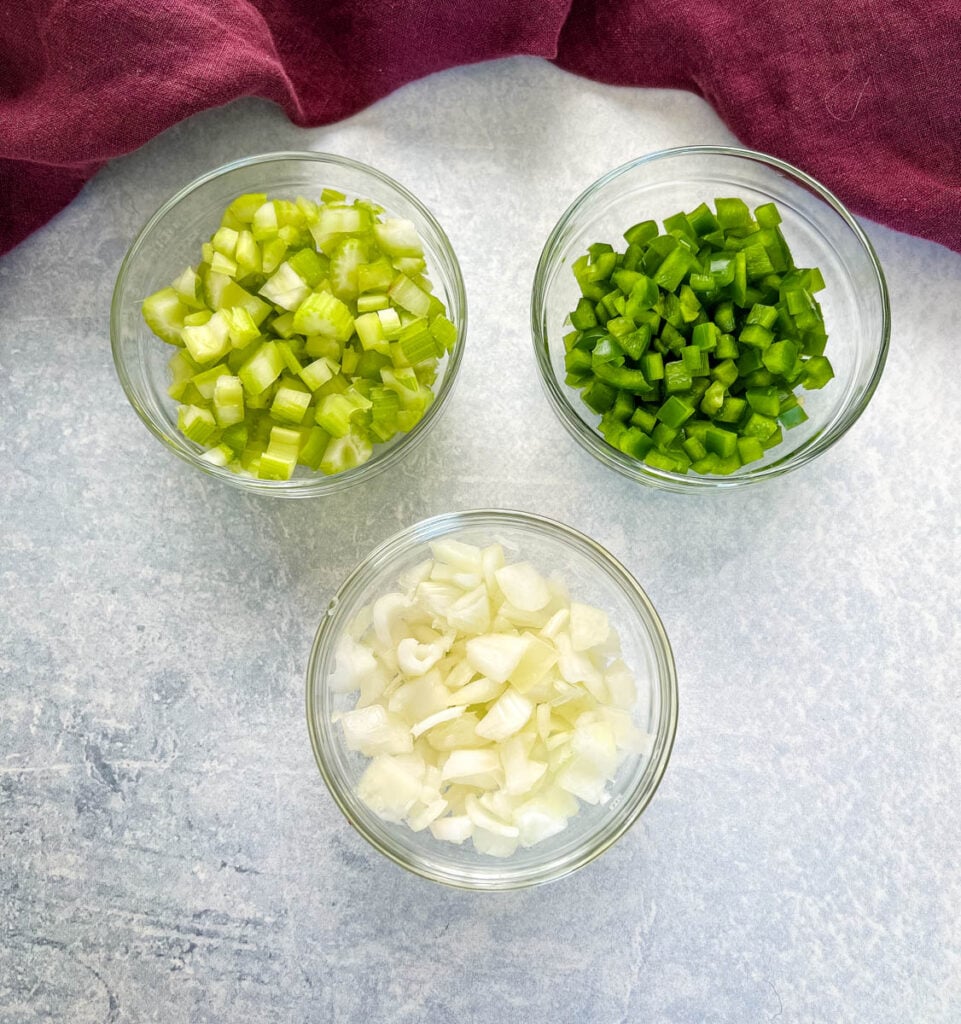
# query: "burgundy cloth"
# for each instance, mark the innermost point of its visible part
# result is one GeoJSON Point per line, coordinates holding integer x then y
{"type": "Point", "coordinates": [864, 96]}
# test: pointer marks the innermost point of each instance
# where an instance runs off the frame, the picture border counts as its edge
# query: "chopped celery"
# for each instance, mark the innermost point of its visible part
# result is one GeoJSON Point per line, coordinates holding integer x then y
{"type": "Point", "coordinates": [690, 345]}
{"type": "Point", "coordinates": [307, 334]}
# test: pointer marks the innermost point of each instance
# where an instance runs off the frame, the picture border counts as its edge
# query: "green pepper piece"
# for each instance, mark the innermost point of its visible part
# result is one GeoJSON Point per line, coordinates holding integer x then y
{"type": "Point", "coordinates": [641, 233]}
{"type": "Point", "coordinates": [819, 372]}
{"type": "Point", "coordinates": [675, 412]}
{"type": "Point", "coordinates": [583, 316]}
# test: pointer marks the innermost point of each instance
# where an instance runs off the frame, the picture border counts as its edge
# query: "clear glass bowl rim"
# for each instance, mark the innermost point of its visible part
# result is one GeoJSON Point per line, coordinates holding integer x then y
{"type": "Point", "coordinates": [297, 487]}
{"type": "Point", "coordinates": [634, 802]}
{"type": "Point", "coordinates": [591, 440]}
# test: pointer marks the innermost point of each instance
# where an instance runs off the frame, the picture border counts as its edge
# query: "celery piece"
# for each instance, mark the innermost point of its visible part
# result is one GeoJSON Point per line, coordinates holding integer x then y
{"type": "Point", "coordinates": [209, 341]}
{"type": "Point", "coordinates": [397, 236]}
{"type": "Point", "coordinates": [323, 313]}
{"type": "Point", "coordinates": [371, 302]}
{"type": "Point", "coordinates": [333, 414]}
{"type": "Point", "coordinates": [240, 326]}
{"type": "Point", "coordinates": [291, 361]}
{"type": "Point", "coordinates": [206, 380]}
{"type": "Point", "coordinates": [280, 457]}
{"type": "Point", "coordinates": [221, 455]}
{"type": "Point", "coordinates": [317, 373]}
{"type": "Point", "coordinates": [417, 342]}
{"type": "Point", "coordinates": [196, 423]}
{"type": "Point", "coordinates": [374, 277]}
{"type": "Point", "coordinates": [164, 313]}
{"type": "Point", "coordinates": [285, 287]}
{"type": "Point", "coordinates": [347, 452]}
{"type": "Point", "coordinates": [247, 254]}
{"type": "Point", "coordinates": [272, 254]}
{"type": "Point", "coordinates": [245, 206]}
{"type": "Point", "coordinates": [370, 330]}
{"type": "Point", "coordinates": [344, 262]}
{"type": "Point", "coordinates": [408, 296]}
{"type": "Point", "coordinates": [182, 371]}
{"type": "Point", "coordinates": [262, 368]}
{"type": "Point", "coordinates": [289, 404]}
{"type": "Point", "coordinates": [228, 400]}
{"type": "Point", "coordinates": [444, 332]}
{"type": "Point", "coordinates": [390, 321]}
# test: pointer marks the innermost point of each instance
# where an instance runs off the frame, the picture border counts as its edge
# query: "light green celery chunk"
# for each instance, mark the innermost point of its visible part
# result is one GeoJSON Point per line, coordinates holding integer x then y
{"type": "Point", "coordinates": [272, 255]}
{"type": "Point", "coordinates": [413, 267]}
{"type": "Point", "coordinates": [264, 222]}
{"type": "Point", "coordinates": [349, 360]}
{"type": "Point", "coordinates": [370, 330]}
{"type": "Point", "coordinates": [372, 302]}
{"type": "Point", "coordinates": [417, 343]}
{"type": "Point", "coordinates": [374, 277]}
{"type": "Point", "coordinates": [398, 237]}
{"type": "Point", "coordinates": [340, 220]}
{"type": "Point", "coordinates": [244, 207]}
{"type": "Point", "coordinates": [220, 455]}
{"type": "Point", "coordinates": [196, 423]}
{"type": "Point", "coordinates": [344, 261]}
{"type": "Point", "coordinates": [221, 264]}
{"type": "Point", "coordinates": [182, 371]}
{"type": "Point", "coordinates": [290, 357]}
{"type": "Point", "coordinates": [444, 332]}
{"type": "Point", "coordinates": [390, 321]}
{"type": "Point", "coordinates": [309, 209]}
{"type": "Point", "coordinates": [201, 316]}
{"type": "Point", "coordinates": [206, 380]}
{"type": "Point", "coordinates": [311, 267]}
{"type": "Point", "coordinates": [262, 368]}
{"type": "Point", "coordinates": [240, 326]}
{"type": "Point", "coordinates": [335, 410]}
{"type": "Point", "coordinates": [290, 404]}
{"type": "Point", "coordinates": [230, 294]}
{"type": "Point", "coordinates": [408, 296]}
{"type": "Point", "coordinates": [317, 373]}
{"type": "Point", "coordinates": [189, 289]}
{"type": "Point", "coordinates": [283, 325]}
{"type": "Point", "coordinates": [323, 313]}
{"type": "Point", "coordinates": [285, 288]}
{"type": "Point", "coordinates": [313, 447]}
{"type": "Point", "coordinates": [247, 253]}
{"type": "Point", "coordinates": [280, 458]}
{"type": "Point", "coordinates": [347, 452]}
{"type": "Point", "coordinates": [401, 380]}
{"type": "Point", "coordinates": [228, 400]}
{"type": "Point", "coordinates": [225, 241]}
{"type": "Point", "coordinates": [164, 313]}
{"type": "Point", "coordinates": [209, 341]}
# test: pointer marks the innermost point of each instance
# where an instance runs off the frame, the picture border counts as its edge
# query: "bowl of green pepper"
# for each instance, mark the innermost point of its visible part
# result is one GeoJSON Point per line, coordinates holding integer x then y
{"type": "Point", "coordinates": [708, 317]}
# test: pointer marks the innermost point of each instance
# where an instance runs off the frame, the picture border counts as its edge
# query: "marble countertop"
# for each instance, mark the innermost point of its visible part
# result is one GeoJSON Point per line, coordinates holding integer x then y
{"type": "Point", "coordinates": [168, 851]}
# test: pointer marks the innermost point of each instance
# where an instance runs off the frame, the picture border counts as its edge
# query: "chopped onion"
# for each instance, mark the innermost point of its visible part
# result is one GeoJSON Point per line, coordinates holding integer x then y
{"type": "Point", "coordinates": [490, 703]}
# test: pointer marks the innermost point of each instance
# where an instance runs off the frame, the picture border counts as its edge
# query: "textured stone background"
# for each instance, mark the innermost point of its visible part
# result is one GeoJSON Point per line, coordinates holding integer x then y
{"type": "Point", "coordinates": [167, 849]}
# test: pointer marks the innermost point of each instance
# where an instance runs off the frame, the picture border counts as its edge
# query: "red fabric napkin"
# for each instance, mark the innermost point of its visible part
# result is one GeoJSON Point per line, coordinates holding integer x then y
{"type": "Point", "coordinates": [864, 96]}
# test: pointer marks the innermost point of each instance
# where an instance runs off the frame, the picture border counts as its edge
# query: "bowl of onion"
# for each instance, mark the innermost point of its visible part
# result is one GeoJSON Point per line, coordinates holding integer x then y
{"type": "Point", "coordinates": [491, 699]}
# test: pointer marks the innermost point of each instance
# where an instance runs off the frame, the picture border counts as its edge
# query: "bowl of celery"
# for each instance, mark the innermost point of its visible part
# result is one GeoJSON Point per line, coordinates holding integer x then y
{"type": "Point", "coordinates": [708, 317]}
{"type": "Point", "coordinates": [291, 323]}
{"type": "Point", "coordinates": [491, 699]}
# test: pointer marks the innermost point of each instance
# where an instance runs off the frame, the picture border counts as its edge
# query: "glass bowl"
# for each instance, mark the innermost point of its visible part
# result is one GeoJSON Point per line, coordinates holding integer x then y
{"type": "Point", "coordinates": [171, 241]}
{"type": "Point", "coordinates": [820, 232]}
{"type": "Point", "coordinates": [593, 576]}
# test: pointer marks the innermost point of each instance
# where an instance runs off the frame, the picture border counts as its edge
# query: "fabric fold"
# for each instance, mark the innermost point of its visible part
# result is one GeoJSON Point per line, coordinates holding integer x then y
{"type": "Point", "coordinates": [863, 98]}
